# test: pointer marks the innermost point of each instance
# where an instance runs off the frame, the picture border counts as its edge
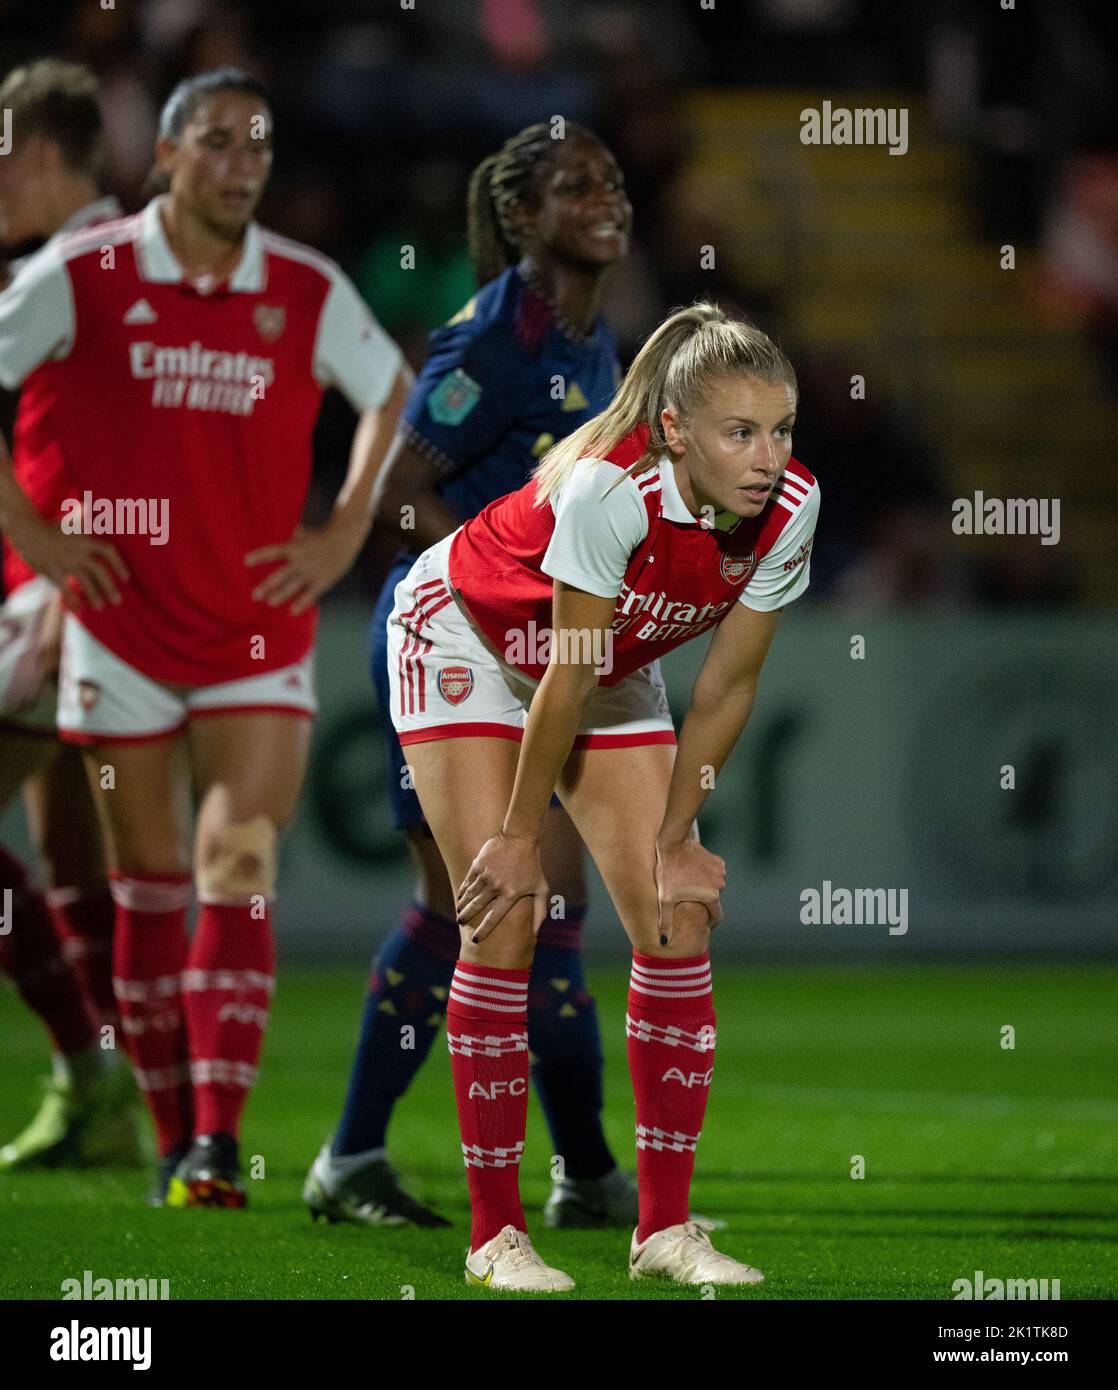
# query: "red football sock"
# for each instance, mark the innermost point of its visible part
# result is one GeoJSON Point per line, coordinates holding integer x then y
{"type": "Point", "coordinates": [84, 923]}
{"type": "Point", "coordinates": [227, 984]}
{"type": "Point", "coordinates": [32, 955]}
{"type": "Point", "coordinates": [670, 1031]}
{"type": "Point", "coordinates": [487, 1032]}
{"type": "Point", "coordinates": [149, 948]}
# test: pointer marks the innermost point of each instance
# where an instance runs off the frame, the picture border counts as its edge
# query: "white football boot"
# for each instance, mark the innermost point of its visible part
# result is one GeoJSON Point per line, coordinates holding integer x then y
{"type": "Point", "coordinates": [509, 1262]}
{"type": "Point", "coordinates": [684, 1253]}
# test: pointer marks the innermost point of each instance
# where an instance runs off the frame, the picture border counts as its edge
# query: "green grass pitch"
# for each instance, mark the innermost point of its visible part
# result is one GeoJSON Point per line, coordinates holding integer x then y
{"type": "Point", "coordinates": [976, 1157]}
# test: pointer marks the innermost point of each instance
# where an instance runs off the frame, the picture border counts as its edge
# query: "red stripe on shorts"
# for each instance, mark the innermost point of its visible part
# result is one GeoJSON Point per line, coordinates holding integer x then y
{"type": "Point", "coordinates": [417, 646]}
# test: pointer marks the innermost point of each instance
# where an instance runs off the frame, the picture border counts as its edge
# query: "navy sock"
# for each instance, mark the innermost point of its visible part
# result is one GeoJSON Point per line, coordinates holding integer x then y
{"type": "Point", "coordinates": [566, 1049]}
{"type": "Point", "coordinates": [409, 988]}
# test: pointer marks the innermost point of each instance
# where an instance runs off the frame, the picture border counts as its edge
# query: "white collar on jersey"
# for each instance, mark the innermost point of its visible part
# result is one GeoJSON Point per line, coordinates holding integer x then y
{"type": "Point", "coordinates": [158, 262]}
{"type": "Point", "coordinates": [101, 210]}
{"type": "Point", "coordinates": [675, 508]}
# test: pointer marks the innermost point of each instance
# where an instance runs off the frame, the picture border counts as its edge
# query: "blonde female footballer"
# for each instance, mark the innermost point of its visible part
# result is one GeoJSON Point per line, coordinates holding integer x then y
{"type": "Point", "coordinates": [677, 510]}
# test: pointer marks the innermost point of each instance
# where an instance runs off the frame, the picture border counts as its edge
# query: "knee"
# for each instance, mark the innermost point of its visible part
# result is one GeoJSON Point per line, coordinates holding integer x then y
{"type": "Point", "coordinates": [689, 933]}
{"type": "Point", "coordinates": [239, 860]}
{"type": "Point", "coordinates": [151, 859]}
{"type": "Point", "coordinates": [510, 946]}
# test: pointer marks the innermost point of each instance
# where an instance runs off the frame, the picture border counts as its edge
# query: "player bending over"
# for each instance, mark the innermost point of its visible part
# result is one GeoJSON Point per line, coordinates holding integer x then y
{"type": "Point", "coordinates": [526, 361]}
{"type": "Point", "coordinates": [677, 510]}
{"type": "Point", "coordinates": [192, 349]}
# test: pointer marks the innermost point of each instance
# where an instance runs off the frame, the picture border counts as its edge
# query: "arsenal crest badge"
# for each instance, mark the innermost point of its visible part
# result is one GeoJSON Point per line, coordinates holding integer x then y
{"type": "Point", "coordinates": [89, 692]}
{"type": "Point", "coordinates": [455, 683]}
{"type": "Point", "coordinates": [269, 320]}
{"type": "Point", "coordinates": [737, 568]}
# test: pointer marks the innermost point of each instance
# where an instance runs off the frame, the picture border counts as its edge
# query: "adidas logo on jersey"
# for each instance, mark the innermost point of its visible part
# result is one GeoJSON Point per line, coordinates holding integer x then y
{"type": "Point", "coordinates": [575, 398]}
{"type": "Point", "coordinates": [141, 312]}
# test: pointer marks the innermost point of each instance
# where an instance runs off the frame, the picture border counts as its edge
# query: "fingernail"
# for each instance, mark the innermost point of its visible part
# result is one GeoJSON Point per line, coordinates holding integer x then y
{"type": "Point", "coordinates": [474, 940]}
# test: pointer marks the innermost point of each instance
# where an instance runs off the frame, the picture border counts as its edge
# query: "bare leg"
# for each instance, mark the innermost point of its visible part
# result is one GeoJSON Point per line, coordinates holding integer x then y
{"type": "Point", "coordinates": [249, 770]}
{"type": "Point", "coordinates": [670, 1015]}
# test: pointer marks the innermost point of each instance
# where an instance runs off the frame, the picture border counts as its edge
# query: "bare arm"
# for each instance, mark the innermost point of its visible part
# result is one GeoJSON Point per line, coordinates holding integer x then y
{"type": "Point", "coordinates": [315, 559]}
{"type": "Point", "coordinates": [721, 703]}
{"type": "Point", "coordinates": [93, 564]}
{"type": "Point", "coordinates": [556, 709]}
{"type": "Point", "coordinates": [507, 867]}
{"type": "Point", "coordinates": [408, 481]}
{"type": "Point", "coordinates": [374, 442]}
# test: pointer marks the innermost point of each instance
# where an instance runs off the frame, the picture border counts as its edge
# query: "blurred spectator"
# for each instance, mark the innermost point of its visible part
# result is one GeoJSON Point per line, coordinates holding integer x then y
{"type": "Point", "coordinates": [1080, 247]}
{"type": "Point", "coordinates": [381, 112]}
{"type": "Point", "coordinates": [410, 302]}
{"type": "Point", "coordinates": [1021, 572]}
{"type": "Point", "coordinates": [882, 524]}
{"type": "Point", "coordinates": [904, 560]}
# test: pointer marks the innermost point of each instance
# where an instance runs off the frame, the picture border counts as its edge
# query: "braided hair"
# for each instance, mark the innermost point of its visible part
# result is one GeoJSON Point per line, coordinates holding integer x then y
{"type": "Point", "coordinates": [499, 185]}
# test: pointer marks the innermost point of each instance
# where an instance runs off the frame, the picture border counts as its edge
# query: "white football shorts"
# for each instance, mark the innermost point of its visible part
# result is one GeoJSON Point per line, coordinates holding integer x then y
{"type": "Point", "coordinates": [26, 699]}
{"type": "Point", "coordinates": [101, 697]}
{"type": "Point", "coordinates": [447, 682]}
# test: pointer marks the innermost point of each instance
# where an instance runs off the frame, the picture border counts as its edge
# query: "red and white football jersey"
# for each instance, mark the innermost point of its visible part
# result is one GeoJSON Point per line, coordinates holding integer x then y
{"type": "Point", "coordinates": [193, 403]}
{"type": "Point", "coordinates": [35, 452]}
{"type": "Point", "coordinates": [674, 575]}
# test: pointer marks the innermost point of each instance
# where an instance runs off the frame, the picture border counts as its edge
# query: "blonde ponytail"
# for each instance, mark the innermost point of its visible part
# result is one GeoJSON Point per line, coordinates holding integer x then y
{"type": "Point", "coordinates": [690, 349]}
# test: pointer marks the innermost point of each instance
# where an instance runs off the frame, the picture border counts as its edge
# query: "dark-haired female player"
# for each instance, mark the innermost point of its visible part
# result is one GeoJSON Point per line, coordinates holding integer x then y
{"type": "Point", "coordinates": [192, 349]}
{"type": "Point", "coordinates": [528, 360]}
{"type": "Point", "coordinates": [677, 510]}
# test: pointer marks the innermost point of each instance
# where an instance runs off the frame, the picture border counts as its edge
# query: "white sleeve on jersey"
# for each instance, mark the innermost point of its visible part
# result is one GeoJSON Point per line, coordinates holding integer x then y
{"type": "Point", "coordinates": [36, 317]}
{"type": "Point", "coordinates": [782, 575]}
{"type": "Point", "coordinates": [351, 350]}
{"type": "Point", "coordinates": [595, 535]}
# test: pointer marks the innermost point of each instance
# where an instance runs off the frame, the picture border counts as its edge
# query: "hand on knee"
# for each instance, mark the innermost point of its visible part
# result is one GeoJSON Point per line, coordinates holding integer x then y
{"type": "Point", "coordinates": [238, 861]}
{"type": "Point", "coordinates": [688, 933]}
{"type": "Point", "coordinates": [510, 946]}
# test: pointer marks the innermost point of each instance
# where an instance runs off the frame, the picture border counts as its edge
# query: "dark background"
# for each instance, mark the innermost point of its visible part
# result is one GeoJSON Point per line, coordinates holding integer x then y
{"type": "Point", "coordinates": [983, 650]}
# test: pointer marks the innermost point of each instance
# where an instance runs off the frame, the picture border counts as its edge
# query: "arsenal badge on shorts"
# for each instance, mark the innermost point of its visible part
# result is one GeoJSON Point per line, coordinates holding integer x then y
{"type": "Point", "coordinates": [737, 568]}
{"type": "Point", "coordinates": [269, 320]}
{"type": "Point", "coordinates": [89, 692]}
{"type": "Point", "coordinates": [455, 683]}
